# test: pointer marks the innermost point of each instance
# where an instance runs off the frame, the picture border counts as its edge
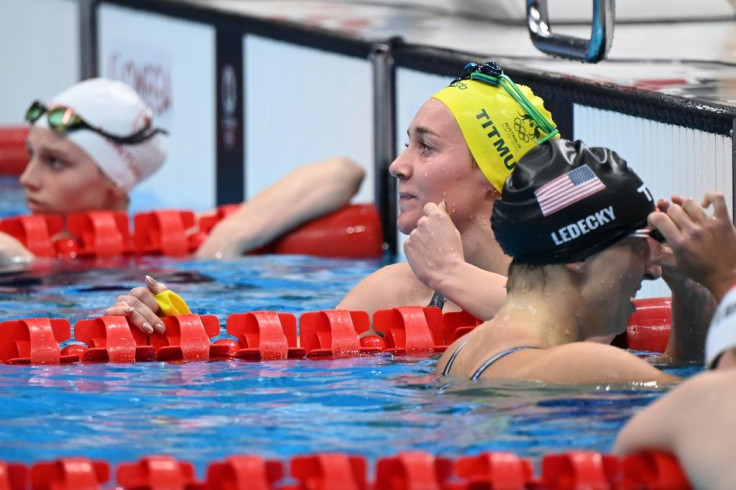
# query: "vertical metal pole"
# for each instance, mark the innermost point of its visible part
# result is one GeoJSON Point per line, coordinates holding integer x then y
{"type": "Point", "coordinates": [384, 135]}
{"type": "Point", "coordinates": [733, 171]}
{"type": "Point", "coordinates": [87, 39]}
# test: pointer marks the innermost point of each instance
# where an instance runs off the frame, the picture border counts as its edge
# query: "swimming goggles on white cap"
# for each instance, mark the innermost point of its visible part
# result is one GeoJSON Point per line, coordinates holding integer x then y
{"type": "Point", "coordinates": [61, 118]}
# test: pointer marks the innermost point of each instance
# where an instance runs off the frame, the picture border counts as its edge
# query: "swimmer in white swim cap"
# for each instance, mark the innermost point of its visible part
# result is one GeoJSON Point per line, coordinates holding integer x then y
{"type": "Point", "coordinates": [90, 145]}
{"type": "Point", "coordinates": [94, 142]}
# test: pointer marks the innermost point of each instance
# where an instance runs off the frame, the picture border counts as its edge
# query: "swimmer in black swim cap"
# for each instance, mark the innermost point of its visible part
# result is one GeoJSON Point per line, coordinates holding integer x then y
{"type": "Point", "coordinates": [566, 201]}
{"type": "Point", "coordinates": [574, 220]}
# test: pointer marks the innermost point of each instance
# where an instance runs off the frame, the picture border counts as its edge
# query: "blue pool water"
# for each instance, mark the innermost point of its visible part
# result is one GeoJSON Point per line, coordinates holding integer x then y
{"type": "Point", "coordinates": [200, 412]}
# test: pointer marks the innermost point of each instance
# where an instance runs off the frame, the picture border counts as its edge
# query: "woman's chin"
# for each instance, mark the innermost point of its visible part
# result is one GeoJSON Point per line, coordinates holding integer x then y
{"type": "Point", "coordinates": [406, 224]}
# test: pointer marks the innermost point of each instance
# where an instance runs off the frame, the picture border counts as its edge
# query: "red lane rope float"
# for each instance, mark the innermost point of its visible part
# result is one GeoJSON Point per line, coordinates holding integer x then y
{"type": "Point", "coordinates": [580, 469]}
{"type": "Point", "coordinates": [330, 470]}
{"type": "Point", "coordinates": [351, 232]}
{"type": "Point", "coordinates": [495, 470]}
{"type": "Point", "coordinates": [411, 329]}
{"type": "Point", "coordinates": [34, 232]}
{"type": "Point", "coordinates": [157, 472]}
{"type": "Point", "coordinates": [13, 476]}
{"type": "Point", "coordinates": [110, 339]}
{"type": "Point", "coordinates": [79, 473]}
{"type": "Point", "coordinates": [264, 335]}
{"type": "Point", "coordinates": [653, 470]}
{"type": "Point", "coordinates": [34, 341]}
{"type": "Point", "coordinates": [648, 327]}
{"type": "Point", "coordinates": [14, 154]}
{"type": "Point", "coordinates": [411, 470]}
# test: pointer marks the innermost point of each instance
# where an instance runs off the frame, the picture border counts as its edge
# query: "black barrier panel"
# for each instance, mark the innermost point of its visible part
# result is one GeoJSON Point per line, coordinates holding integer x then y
{"type": "Point", "coordinates": [230, 120]}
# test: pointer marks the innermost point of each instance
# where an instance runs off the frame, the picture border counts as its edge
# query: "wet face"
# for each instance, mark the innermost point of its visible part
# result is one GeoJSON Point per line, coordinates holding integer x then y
{"type": "Point", "coordinates": [437, 165]}
{"type": "Point", "coordinates": [614, 277]}
{"type": "Point", "coordinates": [61, 178]}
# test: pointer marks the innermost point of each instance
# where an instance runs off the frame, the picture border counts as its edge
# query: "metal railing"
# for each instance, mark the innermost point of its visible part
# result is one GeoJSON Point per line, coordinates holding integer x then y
{"type": "Point", "coordinates": [588, 50]}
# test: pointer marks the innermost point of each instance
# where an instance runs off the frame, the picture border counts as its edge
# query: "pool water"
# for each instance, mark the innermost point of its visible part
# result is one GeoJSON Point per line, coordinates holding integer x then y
{"type": "Point", "coordinates": [374, 406]}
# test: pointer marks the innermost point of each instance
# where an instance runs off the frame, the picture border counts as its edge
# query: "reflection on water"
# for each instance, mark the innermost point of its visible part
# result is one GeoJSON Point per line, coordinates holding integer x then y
{"type": "Point", "coordinates": [200, 412]}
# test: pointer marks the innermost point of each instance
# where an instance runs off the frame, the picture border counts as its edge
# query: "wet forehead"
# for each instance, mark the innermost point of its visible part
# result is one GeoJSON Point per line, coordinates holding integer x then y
{"type": "Point", "coordinates": [43, 139]}
{"type": "Point", "coordinates": [434, 117]}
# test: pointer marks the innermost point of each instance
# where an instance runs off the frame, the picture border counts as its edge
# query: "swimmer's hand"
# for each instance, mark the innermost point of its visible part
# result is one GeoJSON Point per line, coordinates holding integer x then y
{"type": "Point", "coordinates": [703, 245]}
{"type": "Point", "coordinates": [140, 307]}
{"type": "Point", "coordinates": [434, 247]}
{"type": "Point", "coordinates": [12, 251]}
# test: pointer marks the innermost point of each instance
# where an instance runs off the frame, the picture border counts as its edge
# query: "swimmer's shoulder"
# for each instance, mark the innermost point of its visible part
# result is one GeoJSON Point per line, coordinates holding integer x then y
{"type": "Point", "coordinates": [390, 286]}
{"type": "Point", "coordinates": [594, 362]}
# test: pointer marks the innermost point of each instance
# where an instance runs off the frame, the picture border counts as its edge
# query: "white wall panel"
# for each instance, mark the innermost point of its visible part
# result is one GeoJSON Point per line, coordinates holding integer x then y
{"type": "Point", "coordinates": [171, 63]}
{"type": "Point", "coordinates": [303, 105]}
{"type": "Point", "coordinates": [39, 52]}
{"type": "Point", "coordinates": [669, 159]}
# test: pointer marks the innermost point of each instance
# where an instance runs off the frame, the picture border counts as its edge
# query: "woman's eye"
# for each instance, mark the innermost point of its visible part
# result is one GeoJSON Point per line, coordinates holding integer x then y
{"type": "Point", "coordinates": [56, 163]}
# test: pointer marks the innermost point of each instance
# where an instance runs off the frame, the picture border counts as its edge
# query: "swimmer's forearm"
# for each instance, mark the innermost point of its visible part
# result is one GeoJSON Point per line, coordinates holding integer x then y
{"type": "Point", "coordinates": [478, 292]}
{"type": "Point", "coordinates": [304, 194]}
{"type": "Point", "coordinates": [692, 309]}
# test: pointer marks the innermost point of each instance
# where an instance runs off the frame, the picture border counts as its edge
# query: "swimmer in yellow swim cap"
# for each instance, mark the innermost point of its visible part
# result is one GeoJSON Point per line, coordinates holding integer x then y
{"type": "Point", "coordinates": [463, 144]}
{"type": "Point", "coordinates": [499, 119]}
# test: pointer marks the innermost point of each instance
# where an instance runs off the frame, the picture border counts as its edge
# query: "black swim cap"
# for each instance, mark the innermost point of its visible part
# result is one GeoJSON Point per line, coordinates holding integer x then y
{"type": "Point", "coordinates": [565, 202]}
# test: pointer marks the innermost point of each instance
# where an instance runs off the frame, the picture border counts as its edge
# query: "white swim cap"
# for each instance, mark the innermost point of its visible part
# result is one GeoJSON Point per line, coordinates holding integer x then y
{"type": "Point", "coordinates": [114, 108]}
{"type": "Point", "coordinates": [722, 331]}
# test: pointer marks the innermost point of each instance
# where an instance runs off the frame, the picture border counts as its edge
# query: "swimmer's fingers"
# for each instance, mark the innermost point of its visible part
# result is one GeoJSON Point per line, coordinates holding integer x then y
{"type": "Point", "coordinates": [140, 307]}
{"type": "Point", "coordinates": [431, 208]}
{"type": "Point", "coordinates": [677, 199]}
{"type": "Point", "coordinates": [663, 222]}
{"type": "Point", "coordinates": [718, 201]}
{"type": "Point", "coordinates": [695, 211]}
{"type": "Point", "coordinates": [134, 317]}
{"type": "Point", "coordinates": [154, 286]}
{"type": "Point", "coordinates": [687, 216]}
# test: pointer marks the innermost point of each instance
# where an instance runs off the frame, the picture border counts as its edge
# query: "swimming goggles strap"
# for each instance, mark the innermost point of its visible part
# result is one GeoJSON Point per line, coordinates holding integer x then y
{"type": "Point", "coordinates": [492, 74]}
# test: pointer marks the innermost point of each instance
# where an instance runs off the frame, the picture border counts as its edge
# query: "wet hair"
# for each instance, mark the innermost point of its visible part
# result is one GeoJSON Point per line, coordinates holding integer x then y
{"type": "Point", "coordinates": [521, 276]}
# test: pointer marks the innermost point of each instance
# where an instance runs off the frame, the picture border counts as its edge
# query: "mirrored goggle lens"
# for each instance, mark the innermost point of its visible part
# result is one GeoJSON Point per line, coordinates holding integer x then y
{"type": "Point", "coordinates": [64, 119]}
{"type": "Point", "coordinates": [35, 111]}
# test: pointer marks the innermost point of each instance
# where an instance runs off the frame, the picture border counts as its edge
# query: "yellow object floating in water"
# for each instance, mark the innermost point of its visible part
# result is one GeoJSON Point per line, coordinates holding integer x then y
{"type": "Point", "coordinates": [171, 303]}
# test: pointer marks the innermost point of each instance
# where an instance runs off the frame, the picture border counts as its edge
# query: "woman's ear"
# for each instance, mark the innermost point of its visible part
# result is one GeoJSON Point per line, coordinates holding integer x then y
{"type": "Point", "coordinates": [577, 267]}
{"type": "Point", "coordinates": [118, 198]}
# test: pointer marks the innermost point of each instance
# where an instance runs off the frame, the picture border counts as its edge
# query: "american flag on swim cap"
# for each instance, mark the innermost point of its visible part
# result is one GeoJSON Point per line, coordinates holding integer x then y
{"type": "Point", "coordinates": [568, 189]}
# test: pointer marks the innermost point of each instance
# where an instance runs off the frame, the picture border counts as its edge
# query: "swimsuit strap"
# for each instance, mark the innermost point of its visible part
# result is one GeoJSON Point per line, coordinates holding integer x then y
{"type": "Point", "coordinates": [451, 360]}
{"type": "Point", "coordinates": [498, 356]}
{"type": "Point", "coordinates": [437, 300]}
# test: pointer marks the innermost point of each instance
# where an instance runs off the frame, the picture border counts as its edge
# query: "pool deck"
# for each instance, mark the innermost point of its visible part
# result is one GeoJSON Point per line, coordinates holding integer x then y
{"type": "Point", "coordinates": [688, 50]}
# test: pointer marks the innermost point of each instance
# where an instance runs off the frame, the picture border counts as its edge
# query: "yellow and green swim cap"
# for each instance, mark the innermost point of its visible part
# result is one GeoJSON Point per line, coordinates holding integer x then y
{"type": "Point", "coordinates": [500, 120]}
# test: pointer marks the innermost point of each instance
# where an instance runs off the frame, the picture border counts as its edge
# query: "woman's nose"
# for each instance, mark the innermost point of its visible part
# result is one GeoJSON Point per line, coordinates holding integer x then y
{"type": "Point", "coordinates": [400, 168]}
{"type": "Point", "coordinates": [30, 178]}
